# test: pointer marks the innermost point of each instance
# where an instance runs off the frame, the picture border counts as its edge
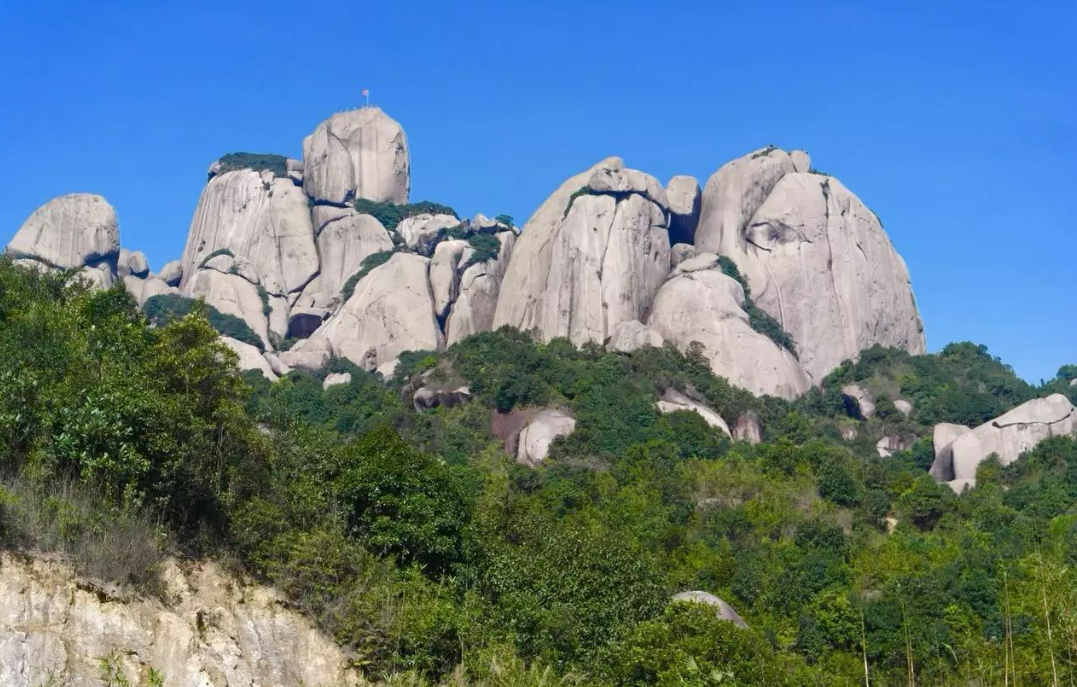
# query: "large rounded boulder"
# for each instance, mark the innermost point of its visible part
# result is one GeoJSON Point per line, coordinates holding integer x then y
{"type": "Point", "coordinates": [815, 257]}
{"type": "Point", "coordinates": [360, 153]}
{"type": "Point", "coordinates": [69, 232]}
{"type": "Point", "coordinates": [592, 256]}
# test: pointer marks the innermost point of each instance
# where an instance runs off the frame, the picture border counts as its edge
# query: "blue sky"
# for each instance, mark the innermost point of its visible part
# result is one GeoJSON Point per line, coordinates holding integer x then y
{"type": "Point", "coordinates": [954, 121]}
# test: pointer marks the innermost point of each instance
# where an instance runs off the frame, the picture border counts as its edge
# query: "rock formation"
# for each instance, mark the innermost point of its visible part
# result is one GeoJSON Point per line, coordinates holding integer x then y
{"type": "Point", "coordinates": [673, 400]}
{"type": "Point", "coordinates": [214, 631]}
{"type": "Point", "coordinates": [391, 311]}
{"type": "Point", "coordinates": [1011, 434]}
{"type": "Point", "coordinates": [337, 379]}
{"type": "Point", "coordinates": [814, 256]}
{"type": "Point", "coordinates": [357, 154]}
{"type": "Point", "coordinates": [702, 305]}
{"type": "Point", "coordinates": [478, 292]}
{"type": "Point", "coordinates": [943, 437]}
{"type": "Point", "coordinates": [69, 232]}
{"type": "Point", "coordinates": [592, 256]}
{"type": "Point", "coordinates": [859, 403]}
{"type": "Point", "coordinates": [250, 358]}
{"type": "Point", "coordinates": [535, 439]}
{"type": "Point", "coordinates": [631, 335]}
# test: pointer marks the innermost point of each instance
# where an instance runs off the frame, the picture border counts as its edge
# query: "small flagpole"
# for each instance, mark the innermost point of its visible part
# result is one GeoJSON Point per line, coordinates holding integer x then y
{"type": "Point", "coordinates": [366, 92]}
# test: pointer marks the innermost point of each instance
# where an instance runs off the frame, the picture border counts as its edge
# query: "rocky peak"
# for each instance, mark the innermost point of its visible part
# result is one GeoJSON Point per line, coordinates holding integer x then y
{"type": "Point", "coordinates": [360, 153]}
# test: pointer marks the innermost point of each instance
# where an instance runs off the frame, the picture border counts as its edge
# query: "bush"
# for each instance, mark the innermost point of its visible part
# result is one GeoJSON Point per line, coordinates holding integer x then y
{"type": "Point", "coordinates": [690, 645]}
{"type": "Point", "coordinates": [403, 502]}
{"type": "Point", "coordinates": [390, 214]}
{"type": "Point", "coordinates": [485, 246]}
{"type": "Point", "coordinates": [254, 161]}
{"type": "Point", "coordinates": [167, 307]}
{"type": "Point", "coordinates": [759, 319]}
{"type": "Point", "coordinates": [369, 262]}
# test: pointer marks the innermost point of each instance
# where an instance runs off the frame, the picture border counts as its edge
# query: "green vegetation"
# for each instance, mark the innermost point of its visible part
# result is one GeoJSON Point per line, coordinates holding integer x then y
{"type": "Point", "coordinates": [164, 308]}
{"type": "Point", "coordinates": [369, 262]}
{"type": "Point", "coordinates": [255, 161]}
{"type": "Point", "coordinates": [433, 558]}
{"type": "Point", "coordinates": [759, 319]}
{"type": "Point", "coordinates": [390, 214]}
{"type": "Point", "coordinates": [582, 191]}
{"type": "Point", "coordinates": [507, 220]}
{"type": "Point", "coordinates": [219, 251]}
{"type": "Point", "coordinates": [485, 246]}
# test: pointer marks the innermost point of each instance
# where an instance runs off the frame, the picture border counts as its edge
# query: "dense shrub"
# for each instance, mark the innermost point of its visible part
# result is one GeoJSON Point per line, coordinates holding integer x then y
{"type": "Point", "coordinates": [166, 307]}
{"type": "Point", "coordinates": [390, 214]}
{"type": "Point", "coordinates": [759, 320]}
{"type": "Point", "coordinates": [369, 262]}
{"type": "Point", "coordinates": [255, 161]}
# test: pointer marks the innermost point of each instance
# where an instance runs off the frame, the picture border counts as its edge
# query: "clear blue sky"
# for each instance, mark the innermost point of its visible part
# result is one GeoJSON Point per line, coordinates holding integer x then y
{"type": "Point", "coordinates": [954, 121]}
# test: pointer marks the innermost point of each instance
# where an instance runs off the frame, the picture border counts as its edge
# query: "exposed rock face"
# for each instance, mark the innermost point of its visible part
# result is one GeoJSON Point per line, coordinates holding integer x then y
{"type": "Point", "coordinates": [478, 291]}
{"type": "Point", "coordinates": [586, 262]}
{"type": "Point", "coordinates": [859, 403]}
{"type": "Point", "coordinates": [943, 437]}
{"type": "Point", "coordinates": [336, 379]}
{"type": "Point", "coordinates": [391, 311]}
{"type": "Point", "coordinates": [748, 429]}
{"type": "Point", "coordinates": [685, 201]}
{"type": "Point", "coordinates": [706, 306]}
{"type": "Point", "coordinates": [145, 289]}
{"type": "Point", "coordinates": [171, 273]}
{"type": "Point", "coordinates": [345, 239]}
{"type": "Point", "coordinates": [132, 263]}
{"type": "Point", "coordinates": [680, 252]}
{"type": "Point", "coordinates": [724, 610]}
{"type": "Point", "coordinates": [215, 631]}
{"type": "Point", "coordinates": [96, 277]}
{"type": "Point", "coordinates": [445, 273]}
{"type": "Point", "coordinates": [1012, 433]}
{"type": "Point", "coordinates": [536, 437]}
{"type": "Point", "coordinates": [258, 218]}
{"type": "Point", "coordinates": [357, 154]}
{"type": "Point", "coordinates": [673, 400]}
{"type": "Point", "coordinates": [68, 232]}
{"type": "Point", "coordinates": [427, 397]}
{"type": "Point", "coordinates": [420, 232]}
{"type": "Point", "coordinates": [814, 256]}
{"type": "Point", "coordinates": [250, 358]}
{"type": "Point", "coordinates": [309, 354]}
{"type": "Point", "coordinates": [232, 295]}
{"type": "Point", "coordinates": [904, 407]}
{"type": "Point", "coordinates": [631, 335]}
{"type": "Point", "coordinates": [801, 161]}
{"type": "Point", "coordinates": [891, 444]}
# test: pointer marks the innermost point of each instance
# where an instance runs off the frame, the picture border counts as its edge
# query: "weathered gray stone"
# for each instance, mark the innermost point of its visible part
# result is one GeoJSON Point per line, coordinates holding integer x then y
{"type": "Point", "coordinates": [585, 263]}
{"type": "Point", "coordinates": [904, 407]}
{"type": "Point", "coordinates": [336, 379]}
{"type": "Point", "coordinates": [1013, 433]}
{"type": "Point", "coordinates": [748, 429]}
{"type": "Point", "coordinates": [943, 436]}
{"type": "Point", "coordinates": [250, 358]}
{"type": "Point", "coordinates": [428, 398]}
{"type": "Point", "coordinates": [801, 161]}
{"type": "Point", "coordinates": [309, 354]}
{"type": "Point", "coordinates": [232, 295]}
{"type": "Point", "coordinates": [680, 252]}
{"type": "Point", "coordinates": [706, 306]}
{"type": "Point", "coordinates": [214, 630]}
{"type": "Point", "coordinates": [69, 232]}
{"type": "Point", "coordinates": [859, 403]}
{"type": "Point", "coordinates": [673, 400]}
{"type": "Point", "coordinates": [631, 335]}
{"type": "Point", "coordinates": [171, 273]}
{"type": "Point", "coordinates": [357, 154]}
{"type": "Point", "coordinates": [266, 223]}
{"type": "Point", "coordinates": [420, 232]}
{"type": "Point", "coordinates": [536, 437]}
{"type": "Point", "coordinates": [477, 294]}
{"type": "Point", "coordinates": [391, 311]}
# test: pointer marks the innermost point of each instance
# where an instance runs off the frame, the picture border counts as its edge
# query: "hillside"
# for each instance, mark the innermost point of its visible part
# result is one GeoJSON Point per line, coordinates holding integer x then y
{"type": "Point", "coordinates": [661, 435]}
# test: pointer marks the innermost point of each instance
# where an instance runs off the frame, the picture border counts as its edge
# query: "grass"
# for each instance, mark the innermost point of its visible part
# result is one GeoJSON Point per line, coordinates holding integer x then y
{"type": "Point", "coordinates": [582, 191]}
{"type": "Point", "coordinates": [101, 541]}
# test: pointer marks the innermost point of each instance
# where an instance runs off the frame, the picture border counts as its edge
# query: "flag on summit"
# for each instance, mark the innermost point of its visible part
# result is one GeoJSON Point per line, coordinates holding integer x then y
{"type": "Point", "coordinates": [366, 91]}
